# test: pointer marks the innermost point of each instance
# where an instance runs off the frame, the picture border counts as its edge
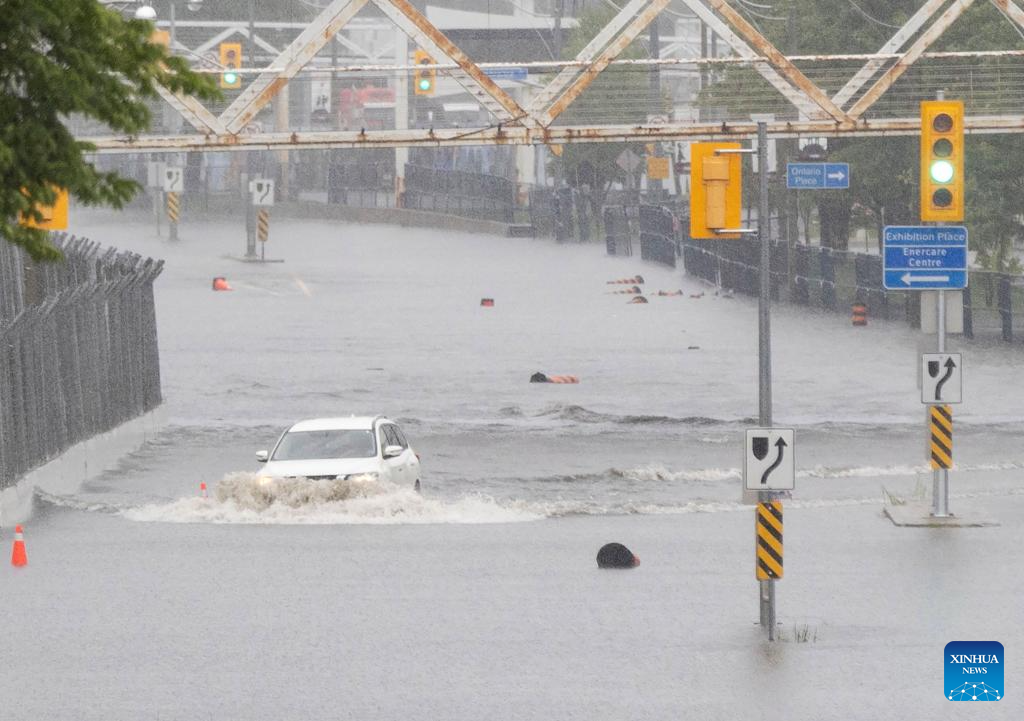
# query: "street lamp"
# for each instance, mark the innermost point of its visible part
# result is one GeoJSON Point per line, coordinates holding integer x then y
{"type": "Point", "coordinates": [145, 12]}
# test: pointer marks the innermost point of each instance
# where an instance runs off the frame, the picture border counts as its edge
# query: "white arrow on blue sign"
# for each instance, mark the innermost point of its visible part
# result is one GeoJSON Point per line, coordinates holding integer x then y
{"type": "Point", "coordinates": [924, 257]}
{"type": "Point", "coordinates": [817, 176]}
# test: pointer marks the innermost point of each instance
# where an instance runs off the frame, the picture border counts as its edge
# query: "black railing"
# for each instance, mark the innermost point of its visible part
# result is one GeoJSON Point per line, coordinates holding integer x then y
{"type": "Point", "coordinates": [470, 195]}
{"type": "Point", "coordinates": [821, 277]}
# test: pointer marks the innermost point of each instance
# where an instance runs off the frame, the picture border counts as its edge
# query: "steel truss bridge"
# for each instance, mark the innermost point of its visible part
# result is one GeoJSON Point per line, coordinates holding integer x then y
{"type": "Point", "coordinates": [808, 95]}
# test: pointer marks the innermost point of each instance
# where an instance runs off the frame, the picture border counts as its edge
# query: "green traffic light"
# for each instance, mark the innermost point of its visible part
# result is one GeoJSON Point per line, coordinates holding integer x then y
{"type": "Point", "coordinates": [424, 84]}
{"type": "Point", "coordinates": [941, 171]}
{"type": "Point", "coordinates": [230, 78]}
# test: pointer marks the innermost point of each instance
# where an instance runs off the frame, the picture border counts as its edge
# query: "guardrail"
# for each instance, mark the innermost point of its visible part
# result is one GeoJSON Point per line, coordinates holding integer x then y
{"type": "Point", "coordinates": [78, 349]}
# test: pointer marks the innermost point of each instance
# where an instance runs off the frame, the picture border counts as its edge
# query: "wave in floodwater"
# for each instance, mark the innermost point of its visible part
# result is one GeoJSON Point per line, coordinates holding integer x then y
{"type": "Point", "coordinates": [244, 498]}
{"type": "Point", "coordinates": [579, 414]}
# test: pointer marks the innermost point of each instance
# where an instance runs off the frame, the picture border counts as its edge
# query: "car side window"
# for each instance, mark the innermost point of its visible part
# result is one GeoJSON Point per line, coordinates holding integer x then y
{"type": "Point", "coordinates": [400, 437]}
{"type": "Point", "coordinates": [389, 433]}
{"type": "Point", "coordinates": [384, 440]}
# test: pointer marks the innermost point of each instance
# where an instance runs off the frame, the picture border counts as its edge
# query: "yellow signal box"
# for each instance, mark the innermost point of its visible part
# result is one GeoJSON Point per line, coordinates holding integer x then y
{"type": "Point", "coordinates": [716, 189]}
{"type": "Point", "coordinates": [424, 79]}
{"type": "Point", "coordinates": [942, 160]}
{"type": "Point", "coordinates": [231, 61]}
{"type": "Point", "coordinates": [55, 217]}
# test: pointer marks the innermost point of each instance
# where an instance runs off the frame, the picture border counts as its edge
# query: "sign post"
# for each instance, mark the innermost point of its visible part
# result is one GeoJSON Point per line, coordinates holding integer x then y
{"type": "Point", "coordinates": [173, 183]}
{"type": "Point", "coordinates": [764, 348]}
{"type": "Point", "coordinates": [931, 257]}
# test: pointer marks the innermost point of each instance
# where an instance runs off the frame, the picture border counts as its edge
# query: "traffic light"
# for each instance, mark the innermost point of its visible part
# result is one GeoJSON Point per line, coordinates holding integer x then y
{"type": "Point", "coordinates": [716, 182]}
{"type": "Point", "coordinates": [231, 62]}
{"type": "Point", "coordinates": [942, 160]}
{"type": "Point", "coordinates": [424, 79]}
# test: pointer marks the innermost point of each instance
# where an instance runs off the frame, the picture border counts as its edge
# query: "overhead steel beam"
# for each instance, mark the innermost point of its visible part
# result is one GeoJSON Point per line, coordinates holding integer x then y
{"type": "Point", "coordinates": [543, 99]}
{"type": "Point", "coordinates": [1011, 10]}
{"type": "Point", "coordinates": [718, 26]}
{"type": "Point", "coordinates": [193, 111]}
{"type": "Point", "coordinates": [779, 61]}
{"type": "Point", "coordinates": [518, 135]}
{"type": "Point", "coordinates": [309, 42]}
{"type": "Point", "coordinates": [629, 33]}
{"type": "Point", "coordinates": [890, 76]}
{"type": "Point", "coordinates": [216, 40]}
{"type": "Point", "coordinates": [471, 77]}
{"type": "Point", "coordinates": [897, 41]}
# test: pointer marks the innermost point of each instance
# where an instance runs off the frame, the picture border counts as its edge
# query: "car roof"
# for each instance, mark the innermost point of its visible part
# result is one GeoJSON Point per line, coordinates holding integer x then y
{"type": "Point", "coordinates": [334, 424]}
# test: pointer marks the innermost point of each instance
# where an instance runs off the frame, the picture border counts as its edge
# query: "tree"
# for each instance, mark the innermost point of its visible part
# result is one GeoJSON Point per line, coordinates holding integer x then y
{"type": "Point", "coordinates": [884, 171]}
{"type": "Point", "coordinates": [64, 57]}
{"type": "Point", "coordinates": [618, 95]}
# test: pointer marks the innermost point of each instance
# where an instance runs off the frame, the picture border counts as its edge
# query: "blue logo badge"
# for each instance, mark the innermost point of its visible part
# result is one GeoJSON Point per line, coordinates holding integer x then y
{"type": "Point", "coordinates": [974, 671]}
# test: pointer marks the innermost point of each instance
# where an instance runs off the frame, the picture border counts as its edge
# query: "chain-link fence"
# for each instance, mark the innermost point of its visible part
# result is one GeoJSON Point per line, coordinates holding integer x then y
{"type": "Point", "coordinates": [78, 349]}
{"type": "Point", "coordinates": [829, 279]}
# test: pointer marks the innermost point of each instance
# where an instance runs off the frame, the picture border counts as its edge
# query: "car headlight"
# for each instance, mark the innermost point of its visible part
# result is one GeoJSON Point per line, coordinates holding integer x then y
{"type": "Point", "coordinates": [363, 477]}
{"type": "Point", "coordinates": [264, 480]}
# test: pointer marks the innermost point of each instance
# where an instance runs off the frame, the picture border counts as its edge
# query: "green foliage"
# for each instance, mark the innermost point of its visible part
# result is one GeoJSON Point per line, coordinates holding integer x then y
{"type": "Point", "coordinates": [617, 95]}
{"type": "Point", "coordinates": [884, 171]}
{"type": "Point", "coordinates": [65, 57]}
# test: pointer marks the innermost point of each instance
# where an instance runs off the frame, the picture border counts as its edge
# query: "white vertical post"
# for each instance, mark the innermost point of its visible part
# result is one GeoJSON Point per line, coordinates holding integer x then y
{"type": "Point", "coordinates": [401, 111]}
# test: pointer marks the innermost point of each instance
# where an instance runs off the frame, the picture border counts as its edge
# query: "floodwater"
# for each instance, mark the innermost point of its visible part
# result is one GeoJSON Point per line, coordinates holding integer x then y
{"type": "Point", "coordinates": [481, 598]}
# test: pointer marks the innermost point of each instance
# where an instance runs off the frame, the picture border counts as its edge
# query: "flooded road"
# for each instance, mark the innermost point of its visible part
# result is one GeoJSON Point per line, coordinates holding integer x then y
{"type": "Point", "coordinates": [481, 598]}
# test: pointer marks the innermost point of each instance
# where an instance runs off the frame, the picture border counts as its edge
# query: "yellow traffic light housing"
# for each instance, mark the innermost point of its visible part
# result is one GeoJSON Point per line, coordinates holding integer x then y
{"type": "Point", "coordinates": [231, 62]}
{"type": "Point", "coordinates": [942, 160]}
{"type": "Point", "coordinates": [424, 79]}
{"type": "Point", "coordinates": [716, 185]}
{"type": "Point", "coordinates": [55, 217]}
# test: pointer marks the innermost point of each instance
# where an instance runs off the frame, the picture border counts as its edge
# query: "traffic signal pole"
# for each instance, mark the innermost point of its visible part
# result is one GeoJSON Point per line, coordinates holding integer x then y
{"type": "Point", "coordinates": [764, 343]}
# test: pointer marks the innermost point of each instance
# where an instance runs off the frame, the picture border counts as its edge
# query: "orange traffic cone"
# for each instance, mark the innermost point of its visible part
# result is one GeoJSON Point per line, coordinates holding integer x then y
{"type": "Point", "coordinates": [221, 283]}
{"type": "Point", "coordinates": [18, 556]}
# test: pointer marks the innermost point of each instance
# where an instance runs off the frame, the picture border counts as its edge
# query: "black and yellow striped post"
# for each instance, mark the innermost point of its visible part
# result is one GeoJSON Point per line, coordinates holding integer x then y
{"type": "Point", "coordinates": [263, 225]}
{"type": "Point", "coordinates": [769, 541]}
{"type": "Point", "coordinates": [940, 426]}
{"type": "Point", "coordinates": [940, 448]}
{"type": "Point", "coordinates": [173, 211]}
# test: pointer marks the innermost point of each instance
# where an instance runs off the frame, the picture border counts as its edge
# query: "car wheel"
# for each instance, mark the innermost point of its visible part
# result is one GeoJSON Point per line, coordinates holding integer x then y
{"type": "Point", "coordinates": [417, 486]}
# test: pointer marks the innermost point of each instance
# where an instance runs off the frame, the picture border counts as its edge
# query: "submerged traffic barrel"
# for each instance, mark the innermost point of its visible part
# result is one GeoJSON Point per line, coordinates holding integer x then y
{"type": "Point", "coordinates": [615, 555]}
{"type": "Point", "coordinates": [860, 314]}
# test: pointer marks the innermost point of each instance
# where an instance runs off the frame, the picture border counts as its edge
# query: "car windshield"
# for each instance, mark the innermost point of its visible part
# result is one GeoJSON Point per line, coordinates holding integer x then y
{"type": "Point", "coordinates": [335, 443]}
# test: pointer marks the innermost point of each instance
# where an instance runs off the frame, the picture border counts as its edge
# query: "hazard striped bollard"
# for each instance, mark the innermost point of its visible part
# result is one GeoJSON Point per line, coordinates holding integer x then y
{"type": "Point", "coordinates": [940, 425]}
{"type": "Point", "coordinates": [769, 540]}
{"type": "Point", "coordinates": [263, 225]}
{"type": "Point", "coordinates": [173, 211]}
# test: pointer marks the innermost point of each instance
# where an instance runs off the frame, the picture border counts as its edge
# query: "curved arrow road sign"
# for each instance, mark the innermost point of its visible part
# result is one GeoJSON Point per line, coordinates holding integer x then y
{"type": "Point", "coordinates": [768, 460]}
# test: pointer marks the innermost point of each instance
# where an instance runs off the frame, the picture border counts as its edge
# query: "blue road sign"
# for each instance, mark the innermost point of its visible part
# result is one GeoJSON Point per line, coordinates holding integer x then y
{"type": "Point", "coordinates": [505, 73]}
{"type": "Point", "coordinates": [817, 176]}
{"type": "Point", "coordinates": [924, 257]}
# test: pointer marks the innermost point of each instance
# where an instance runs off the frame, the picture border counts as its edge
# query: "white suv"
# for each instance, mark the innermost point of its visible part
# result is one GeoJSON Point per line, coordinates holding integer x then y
{"type": "Point", "coordinates": [356, 448]}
